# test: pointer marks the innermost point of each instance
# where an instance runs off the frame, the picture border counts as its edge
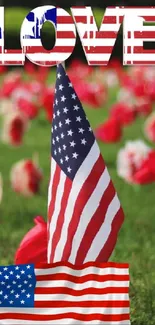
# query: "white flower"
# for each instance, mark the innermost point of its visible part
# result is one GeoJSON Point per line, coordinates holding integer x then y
{"type": "Point", "coordinates": [130, 158]}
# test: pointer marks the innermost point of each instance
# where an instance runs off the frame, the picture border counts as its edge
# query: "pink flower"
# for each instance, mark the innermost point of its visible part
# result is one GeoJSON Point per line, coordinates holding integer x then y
{"type": "Point", "coordinates": [14, 127]}
{"type": "Point", "coordinates": [131, 158]}
{"type": "Point", "coordinates": [124, 113]}
{"type": "Point", "coordinates": [46, 101]}
{"type": "Point", "coordinates": [93, 94]}
{"type": "Point", "coordinates": [33, 247]}
{"type": "Point", "coordinates": [26, 177]}
{"type": "Point", "coordinates": [149, 127]}
{"type": "Point", "coordinates": [109, 131]}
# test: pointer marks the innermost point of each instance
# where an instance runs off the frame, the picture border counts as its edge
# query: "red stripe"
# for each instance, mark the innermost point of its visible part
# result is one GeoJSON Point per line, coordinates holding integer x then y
{"type": "Point", "coordinates": [56, 180]}
{"type": "Point", "coordinates": [101, 35]}
{"type": "Point", "coordinates": [82, 279]}
{"type": "Point", "coordinates": [77, 293]}
{"type": "Point", "coordinates": [140, 62]}
{"type": "Point", "coordinates": [60, 219]}
{"type": "Point", "coordinates": [77, 316]}
{"type": "Point", "coordinates": [56, 49]}
{"type": "Point", "coordinates": [99, 49]}
{"type": "Point", "coordinates": [98, 62]}
{"type": "Point", "coordinates": [64, 34]}
{"type": "Point", "coordinates": [85, 193]}
{"type": "Point", "coordinates": [111, 242]}
{"type": "Point", "coordinates": [139, 50]}
{"type": "Point", "coordinates": [83, 19]}
{"type": "Point", "coordinates": [65, 20]}
{"type": "Point", "coordinates": [83, 266]}
{"type": "Point", "coordinates": [82, 304]}
{"type": "Point", "coordinates": [144, 34]}
{"type": "Point", "coordinates": [95, 224]}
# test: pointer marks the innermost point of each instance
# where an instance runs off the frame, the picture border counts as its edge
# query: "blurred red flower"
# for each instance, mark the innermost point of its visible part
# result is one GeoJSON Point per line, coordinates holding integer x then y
{"type": "Point", "coordinates": [109, 131]}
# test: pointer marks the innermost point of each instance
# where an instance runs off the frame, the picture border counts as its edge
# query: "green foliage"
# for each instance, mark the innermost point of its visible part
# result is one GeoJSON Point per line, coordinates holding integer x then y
{"type": "Point", "coordinates": [136, 242]}
{"type": "Point", "coordinates": [15, 16]}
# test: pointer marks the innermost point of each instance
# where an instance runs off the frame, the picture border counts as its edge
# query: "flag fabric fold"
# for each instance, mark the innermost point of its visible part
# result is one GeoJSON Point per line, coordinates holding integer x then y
{"type": "Point", "coordinates": [62, 293]}
{"type": "Point", "coordinates": [84, 212]}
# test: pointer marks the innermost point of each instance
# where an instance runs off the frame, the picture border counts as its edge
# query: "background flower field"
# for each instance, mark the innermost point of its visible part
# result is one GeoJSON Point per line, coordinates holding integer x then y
{"type": "Point", "coordinates": [136, 241]}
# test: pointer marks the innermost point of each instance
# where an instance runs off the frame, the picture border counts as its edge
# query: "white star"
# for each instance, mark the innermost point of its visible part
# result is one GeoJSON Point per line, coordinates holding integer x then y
{"type": "Point", "coordinates": [58, 113]}
{"type": "Point", "coordinates": [14, 282]}
{"type": "Point", "coordinates": [66, 158]}
{"type": "Point", "coordinates": [0, 273]}
{"type": "Point", "coordinates": [17, 296]}
{"type": "Point", "coordinates": [61, 87]}
{"type": "Point", "coordinates": [69, 169]}
{"type": "Point", "coordinates": [75, 155]}
{"type": "Point", "coordinates": [22, 302]}
{"type": "Point", "coordinates": [28, 267]}
{"type": "Point", "coordinates": [0, 302]}
{"type": "Point", "coordinates": [90, 129]}
{"type": "Point", "coordinates": [59, 149]}
{"type": "Point", "coordinates": [83, 141]}
{"type": "Point", "coordinates": [60, 124]}
{"type": "Point", "coordinates": [3, 283]}
{"type": "Point", "coordinates": [55, 90]}
{"type": "Point", "coordinates": [65, 109]}
{"type": "Point", "coordinates": [29, 276]}
{"type": "Point", "coordinates": [63, 98]}
{"type": "Point", "coordinates": [18, 276]}
{"type": "Point", "coordinates": [55, 127]}
{"type": "Point", "coordinates": [61, 160]}
{"type": "Point", "coordinates": [55, 152]}
{"type": "Point", "coordinates": [62, 135]}
{"type": "Point", "coordinates": [53, 115]}
{"type": "Point", "coordinates": [6, 297]}
{"type": "Point", "coordinates": [28, 295]}
{"type": "Point", "coordinates": [6, 277]}
{"type": "Point", "coordinates": [25, 282]}
{"type": "Point", "coordinates": [67, 121]}
{"type": "Point", "coordinates": [76, 108]}
{"type": "Point", "coordinates": [1, 292]}
{"type": "Point", "coordinates": [8, 287]}
{"type": "Point", "coordinates": [73, 96]}
{"type": "Point", "coordinates": [17, 268]}
{"type": "Point", "coordinates": [12, 291]}
{"type": "Point", "coordinates": [19, 286]}
{"type": "Point", "coordinates": [81, 130]}
{"type": "Point", "coordinates": [56, 101]}
{"type": "Point", "coordinates": [11, 302]}
{"type": "Point", "coordinates": [22, 271]}
{"type": "Point", "coordinates": [70, 84]}
{"type": "Point", "coordinates": [57, 139]}
{"type": "Point", "coordinates": [5, 268]}
{"type": "Point", "coordinates": [64, 147]}
{"type": "Point", "coordinates": [70, 132]}
{"type": "Point", "coordinates": [72, 144]}
{"type": "Point", "coordinates": [30, 285]}
{"type": "Point", "coordinates": [59, 75]}
{"type": "Point", "coordinates": [53, 141]}
{"type": "Point", "coordinates": [78, 119]}
{"type": "Point", "coordinates": [11, 272]}
{"type": "Point", "coordinates": [22, 291]}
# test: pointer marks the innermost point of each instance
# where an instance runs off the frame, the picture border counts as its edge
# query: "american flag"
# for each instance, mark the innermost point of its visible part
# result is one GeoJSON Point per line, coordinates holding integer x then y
{"type": "Point", "coordinates": [62, 293]}
{"type": "Point", "coordinates": [84, 212]}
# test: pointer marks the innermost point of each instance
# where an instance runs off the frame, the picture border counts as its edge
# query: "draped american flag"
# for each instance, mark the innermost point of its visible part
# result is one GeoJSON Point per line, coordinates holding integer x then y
{"type": "Point", "coordinates": [62, 293]}
{"type": "Point", "coordinates": [84, 212]}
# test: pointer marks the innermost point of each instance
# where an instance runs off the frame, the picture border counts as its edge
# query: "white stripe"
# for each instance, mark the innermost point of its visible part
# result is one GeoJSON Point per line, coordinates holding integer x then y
{"type": "Point", "coordinates": [57, 208]}
{"type": "Point", "coordinates": [116, 11]}
{"type": "Point", "coordinates": [81, 286]}
{"type": "Point", "coordinates": [79, 180]}
{"type": "Point", "coordinates": [53, 168]}
{"type": "Point", "coordinates": [88, 270]}
{"type": "Point", "coordinates": [88, 212]}
{"type": "Point", "coordinates": [66, 27]}
{"type": "Point", "coordinates": [66, 321]}
{"type": "Point", "coordinates": [139, 57]}
{"type": "Point", "coordinates": [63, 297]}
{"type": "Point", "coordinates": [57, 311]}
{"type": "Point", "coordinates": [35, 56]}
{"type": "Point", "coordinates": [104, 232]}
{"type": "Point", "coordinates": [59, 42]}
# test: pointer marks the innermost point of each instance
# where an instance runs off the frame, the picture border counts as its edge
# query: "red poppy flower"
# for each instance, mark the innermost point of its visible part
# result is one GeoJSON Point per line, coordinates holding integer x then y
{"type": "Point", "coordinates": [123, 112]}
{"type": "Point", "coordinates": [110, 131]}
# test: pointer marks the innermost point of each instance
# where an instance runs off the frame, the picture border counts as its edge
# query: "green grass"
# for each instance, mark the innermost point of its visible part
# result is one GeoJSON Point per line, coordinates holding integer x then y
{"type": "Point", "coordinates": [136, 242]}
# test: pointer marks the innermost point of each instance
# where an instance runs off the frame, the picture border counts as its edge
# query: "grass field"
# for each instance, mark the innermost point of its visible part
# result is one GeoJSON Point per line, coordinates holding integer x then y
{"type": "Point", "coordinates": [136, 242]}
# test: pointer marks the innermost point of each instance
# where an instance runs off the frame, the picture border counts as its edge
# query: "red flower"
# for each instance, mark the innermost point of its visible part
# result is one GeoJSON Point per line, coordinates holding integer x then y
{"type": "Point", "coordinates": [123, 112]}
{"type": "Point", "coordinates": [14, 127]}
{"type": "Point", "coordinates": [33, 247]}
{"type": "Point", "coordinates": [29, 108]}
{"type": "Point", "coordinates": [26, 177]}
{"type": "Point", "coordinates": [47, 99]}
{"type": "Point", "coordinates": [143, 106]}
{"type": "Point", "coordinates": [146, 173]}
{"type": "Point", "coordinates": [150, 127]}
{"type": "Point", "coordinates": [92, 94]}
{"type": "Point", "coordinates": [79, 70]}
{"type": "Point", "coordinates": [110, 131]}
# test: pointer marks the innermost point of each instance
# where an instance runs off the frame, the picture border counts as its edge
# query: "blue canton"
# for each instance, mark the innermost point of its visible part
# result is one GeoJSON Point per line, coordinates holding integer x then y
{"type": "Point", "coordinates": [72, 136]}
{"type": "Point", "coordinates": [17, 284]}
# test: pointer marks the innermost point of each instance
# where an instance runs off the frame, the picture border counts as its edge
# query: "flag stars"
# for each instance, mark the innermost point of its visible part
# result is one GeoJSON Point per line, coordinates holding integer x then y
{"type": "Point", "coordinates": [55, 127]}
{"type": "Point", "coordinates": [83, 141]}
{"type": "Point", "coordinates": [11, 302]}
{"type": "Point", "coordinates": [61, 161]}
{"type": "Point", "coordinates": [60, 125]}
{"type": "Point", "coordinates": [6, 297]}
{"type": "Point", "coordinates": [64, 147]}
{"type": "Point", "coordinates": [58, 113]}
{"type": "Point", "coordinates": [66, 158]}
{"type": "Point", "coordinates": [62, 136]}
{"type": "Point", "coordinates": [70, 85]}
{"type": "Point", "coordinates": [17, 296]}
{"type": "Point", "coordinates": [81, 130]}
{"type": "Point", "coordinates": [56, 101]}
{"type": "Point", "coordinates": [6, 277]}
{"type": "Point", "coordinates": [17, 276]}
{"type": "Point", "coordinates": [65, 110]}
{"type": "Point", "coordinates": [11, 272]}
{"type": "Point", "coordinates": [75, 155]}
{"type": "Point", "coordinates": [5, 269]}
{"type": "Point", "coordinates": [76, 107]}
{"type": "Point", "coordinates": [63, 98]}
{"type": "Point", "coordinates": [59, 149]}
{"type": "Point", "coordinates": [28, 295]}
{"type": "Point", "coordinates": [59, 75]}
{"type": "Point", "coordinates": [78, 119]}
{"type": "Point", "coordinates": [55, 152]}
{"type": "Point", "coordinates": [1, 292]}
{"type": "Point", "coordinates": [73, 96]}
{"type": "Point", "coordinates": [61, 87]}
{"type": "Point", "coordinates": [70, 133]}
{"type": "Point", "coordinates": [22, 302]}
{"type": "Point", "coordinates": [57, 138]}
{"type": "Point", "coordinates": [72, 144]}
{"type": "Point", "coordinates": [67, 121]}
{"type": "Point", "coordinates": [69, 169]}
{"type": "Point", "coordinates": [28, 266]}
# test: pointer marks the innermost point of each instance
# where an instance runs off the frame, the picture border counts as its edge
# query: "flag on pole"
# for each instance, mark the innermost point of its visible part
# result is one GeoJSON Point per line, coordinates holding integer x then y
{"type": "Point", "coordinates": [84, 212]}
{"type": "Point", "coordinates": [62, 293]}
